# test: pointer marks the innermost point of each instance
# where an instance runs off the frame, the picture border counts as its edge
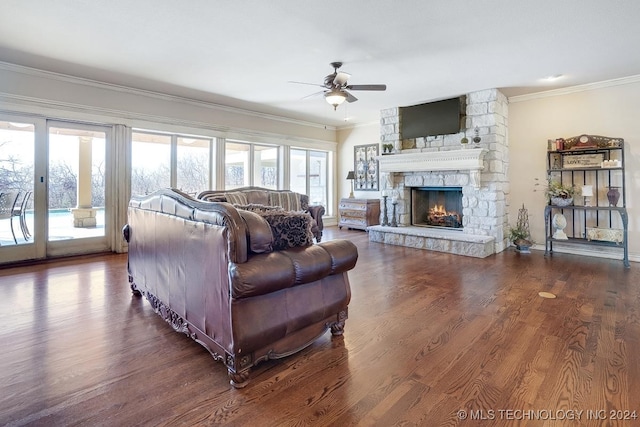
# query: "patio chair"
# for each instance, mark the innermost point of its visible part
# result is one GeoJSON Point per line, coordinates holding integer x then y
{"type": "Point", "coordinates": [8, 201]}
{"type": "Point", "coordinates": [19, 210]}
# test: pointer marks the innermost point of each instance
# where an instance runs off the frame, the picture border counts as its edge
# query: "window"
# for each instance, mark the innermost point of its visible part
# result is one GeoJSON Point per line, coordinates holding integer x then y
{"type": "Point", "coordinates": [193, 164]}
{"type": "Point", "coordinates": [265, 164]}
{"type": "Point", "coordinates": [309, 175]}
{"type": "Point", "coordinates": [236, 167]}
{"type": "Point", "coordinates": [154, 167]}
{"type": "Point", "coordinates": [250, 164]}
{"type": "Point", "coordinates": [150, 162]}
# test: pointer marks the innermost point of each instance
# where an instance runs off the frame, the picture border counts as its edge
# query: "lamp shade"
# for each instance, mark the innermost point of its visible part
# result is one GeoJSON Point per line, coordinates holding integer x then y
{"type": "Point", "coordinates": [587, 190]}
{"type": "Point", "coordinates": [351, 175]}
{"type": "Point", "coordinates": [335, 97]}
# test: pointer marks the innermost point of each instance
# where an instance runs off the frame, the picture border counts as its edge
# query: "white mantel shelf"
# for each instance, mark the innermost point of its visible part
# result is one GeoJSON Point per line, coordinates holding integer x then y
{"type": "Point", "coordinates": [470, 160]}
{"type": "Point", "coordinates": [463, 160]}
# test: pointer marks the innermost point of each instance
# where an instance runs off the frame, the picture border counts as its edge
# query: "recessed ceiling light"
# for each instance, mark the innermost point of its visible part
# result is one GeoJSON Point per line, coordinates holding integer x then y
{"type": "Point", "coordinates": [552, 78]}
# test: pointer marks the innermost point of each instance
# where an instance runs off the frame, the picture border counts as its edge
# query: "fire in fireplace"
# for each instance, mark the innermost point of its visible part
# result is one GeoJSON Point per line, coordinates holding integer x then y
{"type": "Point", "coordinates": [436, 207]}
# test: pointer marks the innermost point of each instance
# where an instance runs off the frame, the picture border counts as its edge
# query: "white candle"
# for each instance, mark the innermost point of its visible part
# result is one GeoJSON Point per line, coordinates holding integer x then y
{"type": "Point", "coordinates": [394, 199]}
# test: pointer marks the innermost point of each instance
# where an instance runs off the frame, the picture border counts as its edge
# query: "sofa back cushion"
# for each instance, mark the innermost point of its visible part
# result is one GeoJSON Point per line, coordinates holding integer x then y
{"type": "Point", "coordinates": [288, 200]}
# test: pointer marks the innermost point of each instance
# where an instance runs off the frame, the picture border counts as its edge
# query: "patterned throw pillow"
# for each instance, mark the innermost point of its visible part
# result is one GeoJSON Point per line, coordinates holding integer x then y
{"type": "Point", "coordinates": [254, 207]}
{"type": "Point", "coordinates": [289, 229]}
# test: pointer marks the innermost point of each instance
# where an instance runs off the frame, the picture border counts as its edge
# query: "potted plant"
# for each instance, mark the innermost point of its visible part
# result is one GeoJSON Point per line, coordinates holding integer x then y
{"type": "Point", "coordinates": [559, 194]}
{"type": "Point", "coordinates": [520, 235]}
{"type": "Point", "coordinates": [521, 238]}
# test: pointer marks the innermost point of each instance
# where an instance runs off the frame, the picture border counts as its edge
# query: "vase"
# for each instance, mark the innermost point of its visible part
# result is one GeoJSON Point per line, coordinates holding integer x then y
{"type": "Point", "coordinates": [613, 195]}
{"type": "Point", "coordinates": [560, 201]}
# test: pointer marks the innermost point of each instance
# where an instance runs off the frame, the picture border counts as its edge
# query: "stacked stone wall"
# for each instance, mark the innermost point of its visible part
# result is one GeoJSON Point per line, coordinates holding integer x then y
{"type": "Point", "coordinates": [485, 209]}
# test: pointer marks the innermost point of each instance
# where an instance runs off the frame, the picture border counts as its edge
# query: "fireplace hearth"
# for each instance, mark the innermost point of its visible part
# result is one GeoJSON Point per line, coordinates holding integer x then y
{"type": "Point", "coordinates": [437, 207]}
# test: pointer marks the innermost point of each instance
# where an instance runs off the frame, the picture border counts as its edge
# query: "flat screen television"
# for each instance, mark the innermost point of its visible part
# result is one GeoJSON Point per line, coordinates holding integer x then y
{"type": "Point", "coordinates": [433, 118]}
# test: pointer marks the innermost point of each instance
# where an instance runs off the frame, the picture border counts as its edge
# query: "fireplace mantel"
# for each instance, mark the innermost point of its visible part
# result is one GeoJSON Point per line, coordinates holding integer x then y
{"type": "Point", "coordinates": [471, 160]}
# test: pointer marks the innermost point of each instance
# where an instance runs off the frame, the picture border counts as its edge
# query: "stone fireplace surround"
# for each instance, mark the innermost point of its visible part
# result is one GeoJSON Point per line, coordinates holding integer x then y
{"type": "Point", "coordinates": [441, 162]}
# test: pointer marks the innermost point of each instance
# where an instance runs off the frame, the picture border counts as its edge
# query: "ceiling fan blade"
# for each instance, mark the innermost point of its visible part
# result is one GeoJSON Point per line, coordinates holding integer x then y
{"type": "Point", "coordinates": [313, 94]}
{"type": "Point", "coordinates": [341, 78]}
{"type": "Point", "coordinates": [366, 87]}
{"type": "Point", "coordinates": [350, 97]}
{"type": "Point", "coordinates": [305, 83]}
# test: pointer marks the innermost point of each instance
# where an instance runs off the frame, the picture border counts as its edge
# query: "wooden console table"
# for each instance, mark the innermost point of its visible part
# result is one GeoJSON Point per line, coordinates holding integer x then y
{"type": "Point", "coordinates": [358, 213]}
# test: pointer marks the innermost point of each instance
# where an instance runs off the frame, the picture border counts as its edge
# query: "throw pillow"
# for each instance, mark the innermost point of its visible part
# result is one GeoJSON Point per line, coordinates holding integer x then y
{"type": "Point", "coordinates": [236, 198]}
{"type": "Point", "coordinates": [288, 200]}
{"type": "Point", "coordinates": [290, 229]}
{"type": "Point", "coordinates": [259, 236]}
{"type": "Point", "coordinates": [253, 207]}
{"type": "Point", "coordinates": [304, 202]}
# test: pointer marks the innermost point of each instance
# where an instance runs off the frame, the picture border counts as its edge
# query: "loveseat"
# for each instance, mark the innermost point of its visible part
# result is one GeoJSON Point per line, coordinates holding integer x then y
{"type": "Point", "coordinates": [259, 196]}
{"type": "Point", "coordinates": [211, 271]}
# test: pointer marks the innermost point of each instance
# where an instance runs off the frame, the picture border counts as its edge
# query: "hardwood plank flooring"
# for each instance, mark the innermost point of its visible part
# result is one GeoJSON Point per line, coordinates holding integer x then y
{"type": "Point", "coordinates": [428, 335]}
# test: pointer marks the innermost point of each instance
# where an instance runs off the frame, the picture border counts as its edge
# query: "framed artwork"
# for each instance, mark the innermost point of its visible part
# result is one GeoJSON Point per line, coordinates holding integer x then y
{"type": "Point", "coordinates": [366, 167]}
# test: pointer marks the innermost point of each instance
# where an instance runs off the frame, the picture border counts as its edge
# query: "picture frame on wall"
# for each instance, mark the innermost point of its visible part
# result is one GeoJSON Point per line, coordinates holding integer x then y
{"type": "Point", "coordinates": [365, 158]}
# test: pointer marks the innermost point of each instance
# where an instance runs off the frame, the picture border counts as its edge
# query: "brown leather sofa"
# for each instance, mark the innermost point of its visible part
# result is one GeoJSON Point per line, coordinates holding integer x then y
{"type": "Point", "coordinates": [267, 197]}
{"type": "Point", "coordinates": [210, 271]}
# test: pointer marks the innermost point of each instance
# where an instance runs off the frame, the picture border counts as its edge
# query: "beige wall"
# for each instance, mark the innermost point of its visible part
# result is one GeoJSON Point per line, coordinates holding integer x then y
{"type": "Point", "coordinates": [347, 139]}
{"type": "Point", "coordinates": [608, 109]}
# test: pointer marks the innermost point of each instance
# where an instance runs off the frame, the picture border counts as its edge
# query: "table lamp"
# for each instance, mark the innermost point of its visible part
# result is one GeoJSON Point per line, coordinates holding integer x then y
{"type": "Point", "coordinates": [351, 175]}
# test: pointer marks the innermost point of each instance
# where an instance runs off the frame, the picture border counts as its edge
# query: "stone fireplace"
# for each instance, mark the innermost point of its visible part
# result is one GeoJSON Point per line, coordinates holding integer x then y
{"type": "Point", "coordinates": [479, 174]}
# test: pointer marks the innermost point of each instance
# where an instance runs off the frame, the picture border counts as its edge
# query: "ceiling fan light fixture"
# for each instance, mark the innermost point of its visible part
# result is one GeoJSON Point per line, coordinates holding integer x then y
{"type": "Point", "coordinates": [335, 97]}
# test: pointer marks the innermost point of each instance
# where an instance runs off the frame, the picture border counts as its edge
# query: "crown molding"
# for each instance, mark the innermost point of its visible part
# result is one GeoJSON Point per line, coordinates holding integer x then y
{"type": "Point", "coordinates": [98, 114]}
{"type": "Point", "coordinates": [358, 125]}
{"type": "Point", "coordinates": [156, 95]}
{"type": "Point", "coordinates": [575, 89]}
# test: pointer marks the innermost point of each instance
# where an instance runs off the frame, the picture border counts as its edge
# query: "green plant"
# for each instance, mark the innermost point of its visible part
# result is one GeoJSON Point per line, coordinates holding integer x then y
{"type": "Point", "coordinates": [557, 189]}
{"type": "Point", "coordinates": [518, 233]}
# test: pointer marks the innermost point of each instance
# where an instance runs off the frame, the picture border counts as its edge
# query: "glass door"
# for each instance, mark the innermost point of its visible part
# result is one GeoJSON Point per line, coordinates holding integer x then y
{"type": "Point", "coordinates": [77, 188]}
{"type": "Point", "coordinates": [17, 178]}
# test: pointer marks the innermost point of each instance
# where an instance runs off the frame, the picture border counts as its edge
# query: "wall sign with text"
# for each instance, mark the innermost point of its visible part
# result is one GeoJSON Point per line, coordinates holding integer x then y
{"type": "Point", "coordinates": [582, 161]}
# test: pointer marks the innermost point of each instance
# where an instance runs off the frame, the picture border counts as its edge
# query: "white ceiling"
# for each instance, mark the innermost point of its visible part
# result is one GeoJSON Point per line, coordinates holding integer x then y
{"type": "Point", "coordinates": [244, 53]}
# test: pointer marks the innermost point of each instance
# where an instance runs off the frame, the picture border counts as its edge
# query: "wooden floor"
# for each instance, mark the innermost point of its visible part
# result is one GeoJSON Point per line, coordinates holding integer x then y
{"type": "Point", "coordinates": [431, 339]}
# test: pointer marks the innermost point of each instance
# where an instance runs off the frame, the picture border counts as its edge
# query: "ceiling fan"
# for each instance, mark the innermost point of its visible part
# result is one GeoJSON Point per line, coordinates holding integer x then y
{"type": "Point", "coordinates": [336, 86]}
